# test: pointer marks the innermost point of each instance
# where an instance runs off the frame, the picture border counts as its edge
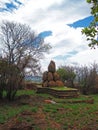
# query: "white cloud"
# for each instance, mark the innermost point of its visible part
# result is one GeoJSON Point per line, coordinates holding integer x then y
{"type": "Point", "coordinates": [54, 15]}
{"type": "Point", "coordinates": [40, 14]}
{"type": "Point", "coordinates": [85, 57]}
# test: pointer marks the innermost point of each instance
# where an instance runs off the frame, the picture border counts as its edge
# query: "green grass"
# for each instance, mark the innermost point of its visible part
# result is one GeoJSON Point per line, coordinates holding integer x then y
{"type": "Point", "coordinates": [68, 115]}
{"type": "Point", "coordinates": [63, 88]}
{"type": "Point", "coordinates": [25, 92]}
{"type": "Point", "coordinates": [73, 115]}
{"type": "Point", "coordinates": [8, 111]}
{"type": "Point", "coordinates": [34, 109]}
{"type": "Point", "coordinates": [79, 114]}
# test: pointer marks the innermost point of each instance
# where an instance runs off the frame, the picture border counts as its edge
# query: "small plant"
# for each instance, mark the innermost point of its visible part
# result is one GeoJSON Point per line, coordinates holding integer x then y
{"type": "Point", "coordinates": [20, 119]}
{"type": "Point", "coordinates": [50, 108]}
{"type": "Point", "coordinates": [34, 109]}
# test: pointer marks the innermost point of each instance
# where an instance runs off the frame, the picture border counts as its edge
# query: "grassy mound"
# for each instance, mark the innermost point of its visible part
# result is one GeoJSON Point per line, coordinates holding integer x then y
{"type": "Point", "coordinates": [63, 88]}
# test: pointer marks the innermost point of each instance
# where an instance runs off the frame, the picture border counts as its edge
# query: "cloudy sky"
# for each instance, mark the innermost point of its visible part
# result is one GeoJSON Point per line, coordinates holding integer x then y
{"type": "Point", "coordinates": [60, 23]}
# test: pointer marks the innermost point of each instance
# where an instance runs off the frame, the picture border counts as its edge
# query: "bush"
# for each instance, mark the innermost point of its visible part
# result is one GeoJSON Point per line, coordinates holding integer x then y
{"type": "Point", "coordinates": [10, 79]}
{"type": "Point", "coordinates": [67, 74]}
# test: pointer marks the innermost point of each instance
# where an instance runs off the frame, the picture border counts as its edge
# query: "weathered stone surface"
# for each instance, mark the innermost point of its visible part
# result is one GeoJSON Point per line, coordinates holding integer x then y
{"type": "Point", "coordinates": [45, 84]}
{"type": "Point", "coordinates": [52, 83]}
{"type": "Point", "coordinates": [52, 67]}
{"type": "Point", "coordinates": [56, 76]}
{"type": "Point", "coordinates": [45, 76]}
{"type": "Point", "coordinates": [50, 76]}
{"type": "Point", "coordinates": [59, 83]}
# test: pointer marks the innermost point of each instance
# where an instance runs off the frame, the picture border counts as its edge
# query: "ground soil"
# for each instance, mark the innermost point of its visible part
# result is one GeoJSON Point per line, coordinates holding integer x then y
{"type": "Point", "coordinates": [39, 119]}
{"type": "Point", "coordinates": [36, 120]}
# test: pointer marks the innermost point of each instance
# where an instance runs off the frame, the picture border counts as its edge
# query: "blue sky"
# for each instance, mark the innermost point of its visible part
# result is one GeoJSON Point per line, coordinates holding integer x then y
{"type": "Point", "coordinates": [85, 22]}
{"type": "Point", "coordinates": [9, 6]}
{"type": "Point", "coordinates": [59, 22]}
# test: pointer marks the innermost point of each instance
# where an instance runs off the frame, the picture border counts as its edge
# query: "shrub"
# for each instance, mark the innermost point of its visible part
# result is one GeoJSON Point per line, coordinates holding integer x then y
{"type": "Point", "coordinates": [10, 79]}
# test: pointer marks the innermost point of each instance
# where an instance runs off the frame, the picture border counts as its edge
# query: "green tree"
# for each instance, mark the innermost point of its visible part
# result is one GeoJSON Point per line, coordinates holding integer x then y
{"type": "Point", "coordinates": [67, 74]}
{"type": "Point", "coordinates": [62, 74]}
{"type": "Point", "coordinates": [91, 31]}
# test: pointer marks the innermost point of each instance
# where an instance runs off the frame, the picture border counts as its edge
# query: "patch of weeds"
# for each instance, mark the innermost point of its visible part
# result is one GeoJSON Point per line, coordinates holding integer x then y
{"type": "Point", "coordinates": [20, 119]}
{"type": "Point", "coordinates": [46, 96]}
{"type": "Point", "coordinates": [37, 128]}
{"type": "Point", "coordinates": [28, 119]}
{"type": "Point", "coordinates": [25, 92]}
{"type": "Point", "coordinates": [51, 128]}
{"type": "Point", "coordinates": [34, 109]}
{"type": "Point", "coordinates": [2, 119]}
{"type": "Point", "coordinates": [8, 111]}
{"type": "Point", "coordinates": [50, 108]}
{"type": "Point", "coordinates": [63, 88]}
{"type": "Point", "coordinates": [65, 127]}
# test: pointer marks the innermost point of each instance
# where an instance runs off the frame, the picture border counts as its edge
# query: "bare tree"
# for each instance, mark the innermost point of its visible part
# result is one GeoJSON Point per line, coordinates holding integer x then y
{"type": "Point", "coordinates": [21, 46]}
{"type": "Point", "coordinates": [22, 51]}
{"type": "Point", "coordinates": [86, 77]}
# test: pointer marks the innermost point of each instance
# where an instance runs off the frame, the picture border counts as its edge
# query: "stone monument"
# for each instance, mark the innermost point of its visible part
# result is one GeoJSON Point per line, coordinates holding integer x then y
{"type": "Point", "coordinates": [51, 78]}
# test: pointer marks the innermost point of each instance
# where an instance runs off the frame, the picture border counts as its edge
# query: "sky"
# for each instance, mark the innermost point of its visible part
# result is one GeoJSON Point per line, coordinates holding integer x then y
{"type": "Point", "coordinates": [60, 23]}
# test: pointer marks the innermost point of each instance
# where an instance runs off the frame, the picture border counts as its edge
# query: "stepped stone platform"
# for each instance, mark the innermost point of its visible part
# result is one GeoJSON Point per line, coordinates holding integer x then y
{"type": "Point", "coordinates": [52, 79]}
{"type": "Point", "coordinates": [59, 93]}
